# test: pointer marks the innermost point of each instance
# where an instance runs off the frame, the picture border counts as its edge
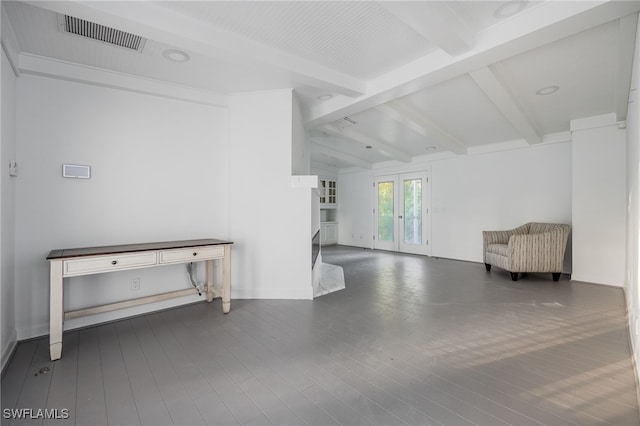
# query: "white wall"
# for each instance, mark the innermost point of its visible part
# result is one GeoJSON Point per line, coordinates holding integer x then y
{"type": "Point", "coordinates": [7, 210]}
{"type": "Point", "coordinates": [159, 172]}
{"type": "Point", "coordinates": [355, 204]}
{"type": "Point", "coordinates": [315, 216]}
{"type": "Point", "coordinates": [599, 200]}
{"type": "Point", "coordinates": [326, 172]}
{"type": "Point", "coordinates": [300, 144]}
{"type": "Point", "coordinates": [469, 194]}
{"type": "Point", "coordinates": [270, 220]}
{"type": "Point", "coordinates": [632, 281]}
{"type": "Point", "coordinates": [498, 190]}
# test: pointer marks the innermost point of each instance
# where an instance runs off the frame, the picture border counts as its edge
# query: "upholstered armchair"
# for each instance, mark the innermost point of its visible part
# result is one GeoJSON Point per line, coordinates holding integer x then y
{"type": "Point", "coordinates": [533, 247]}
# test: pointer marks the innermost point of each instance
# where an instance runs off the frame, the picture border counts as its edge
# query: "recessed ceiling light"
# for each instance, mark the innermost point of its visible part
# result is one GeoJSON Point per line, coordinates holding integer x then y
{"type": "Point", "coordinates": [510, 8]}
{"type": "Point", "coordinates": [325, 97]}
{"type": "Point", "coordinates": [431, 148]}
{"type": "Point", "coordinates": [176, 55]}
{"type": "Point", "coordinates": [547, 90]}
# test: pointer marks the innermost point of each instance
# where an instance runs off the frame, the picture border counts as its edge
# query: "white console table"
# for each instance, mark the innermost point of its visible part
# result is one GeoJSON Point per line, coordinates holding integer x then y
{"type": "Point", "coordinates": [96, 260]}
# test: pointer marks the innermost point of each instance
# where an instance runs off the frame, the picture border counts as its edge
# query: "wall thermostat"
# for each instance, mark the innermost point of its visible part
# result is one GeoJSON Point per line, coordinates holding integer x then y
{"type": "Point", "coordinates": [76, 171]}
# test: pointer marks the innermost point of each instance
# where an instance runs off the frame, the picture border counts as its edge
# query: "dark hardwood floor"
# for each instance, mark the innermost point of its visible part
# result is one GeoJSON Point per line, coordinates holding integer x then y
{"type": "Point", "coordinates": [412, 340]}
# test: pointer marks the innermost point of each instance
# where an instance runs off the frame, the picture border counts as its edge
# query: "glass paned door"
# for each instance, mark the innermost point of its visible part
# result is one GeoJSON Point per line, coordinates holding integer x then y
{"type": "Point", "coordinates": [386, 206]}
{"type": "Point", "coordinates": [412, 211]}
{"type": "Point", "coordinates": [386, 223]}
{"type": "Point", "coordinates": [401, 210]}
{"type": "Point", "coordinates": [413, 228]}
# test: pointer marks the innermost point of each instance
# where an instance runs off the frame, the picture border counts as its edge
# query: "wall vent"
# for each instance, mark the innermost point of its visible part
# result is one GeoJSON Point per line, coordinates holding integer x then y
{"type": "Point", "coordinates": [101, 33]}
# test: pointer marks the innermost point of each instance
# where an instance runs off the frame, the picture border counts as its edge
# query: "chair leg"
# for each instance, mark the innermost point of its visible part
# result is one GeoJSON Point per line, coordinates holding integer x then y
{"type": "Point", "coordinates": [514, 276]}
{"type": "Point", "coordinates": [556, 276]}
{"type": "Point", "coordinates": [488, 267]}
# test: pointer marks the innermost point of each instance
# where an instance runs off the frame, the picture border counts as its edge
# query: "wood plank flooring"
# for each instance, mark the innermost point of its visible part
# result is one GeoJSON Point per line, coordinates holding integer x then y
{"type": "Point", "coordinates": [411, 341]}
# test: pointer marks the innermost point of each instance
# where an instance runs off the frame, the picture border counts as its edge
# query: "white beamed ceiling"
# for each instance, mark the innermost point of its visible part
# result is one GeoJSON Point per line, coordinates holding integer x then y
{"type": "Point", "coordinates": [455, 75]}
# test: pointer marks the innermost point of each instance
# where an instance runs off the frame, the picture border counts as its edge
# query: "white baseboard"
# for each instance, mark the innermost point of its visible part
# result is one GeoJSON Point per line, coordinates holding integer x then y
{"type": "Point", "coordinates": [355, 243]}
{"type": "Point", "coordinates": [271, 293]}
{"type": "Point", "coordinates": [7, 352]}
{"type": "Point", "coordinates": [633, 343]}
{"type": "Point", "coordinates": [39, 330]}
{"type": "Point", "coordinates": [589, 280]}
{"type": "Point", "coordinates": [635, 370]}
{"type": "Point", "coordinates": [42, 329]}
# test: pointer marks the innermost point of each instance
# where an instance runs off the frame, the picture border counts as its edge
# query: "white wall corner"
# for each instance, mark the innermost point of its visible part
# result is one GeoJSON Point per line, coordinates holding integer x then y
{"type": "Point", "coordinates": [262, 92]}
{"type": "Point", "coordinates": [593, 122]}
{"type": "Point", "coordinates": [557, 137]}
{"type": "Point", "coordinates": [304, 181]}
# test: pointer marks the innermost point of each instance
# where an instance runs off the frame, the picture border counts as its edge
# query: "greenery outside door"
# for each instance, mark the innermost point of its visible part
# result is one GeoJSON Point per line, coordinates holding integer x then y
{"type": "Point", "coordinates": [401, 213]}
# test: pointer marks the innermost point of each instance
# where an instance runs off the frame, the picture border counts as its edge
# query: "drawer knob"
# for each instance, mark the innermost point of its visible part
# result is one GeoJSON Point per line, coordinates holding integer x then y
{"type": "Point", "coordinates": [114, 262]}
{"type": "Point", "coordinates": [195, 253]}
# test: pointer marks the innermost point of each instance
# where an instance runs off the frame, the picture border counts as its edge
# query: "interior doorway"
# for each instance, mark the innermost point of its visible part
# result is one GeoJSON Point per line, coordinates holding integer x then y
{"type": "Point", "coordinates": [401, 213]}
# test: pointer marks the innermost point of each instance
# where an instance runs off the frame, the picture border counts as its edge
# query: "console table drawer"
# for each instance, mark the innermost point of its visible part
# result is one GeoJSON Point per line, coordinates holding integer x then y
{"type": "Point", "coordinates": [95, 265]}
{"type": "Point", "coordinates": [191, 254]}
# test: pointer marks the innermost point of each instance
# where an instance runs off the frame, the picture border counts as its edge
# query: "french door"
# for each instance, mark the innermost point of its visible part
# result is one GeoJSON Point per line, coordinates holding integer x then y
{"type": "Point", "coordinates": [401, 213]}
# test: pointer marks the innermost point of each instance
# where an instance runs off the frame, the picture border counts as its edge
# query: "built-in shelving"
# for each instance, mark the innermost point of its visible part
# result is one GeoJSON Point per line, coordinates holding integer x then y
{"type": "Point", "coordinates": [328, 192]}
{"type": "Point", "coordinates": [328, 210]}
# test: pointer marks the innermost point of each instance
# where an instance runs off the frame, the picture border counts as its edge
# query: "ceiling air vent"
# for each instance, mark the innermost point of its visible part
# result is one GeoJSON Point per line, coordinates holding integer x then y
{"type": "Point", "coordinates": [345, 122]}
{"type": "Point", "coordinates": [101, 33]}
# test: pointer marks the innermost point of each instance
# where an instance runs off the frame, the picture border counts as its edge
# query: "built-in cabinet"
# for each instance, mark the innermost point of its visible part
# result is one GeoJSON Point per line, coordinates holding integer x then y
{"type": "Point", "coordinates": [328, 193]}
{"type": "Point", "coordinates": [328, 211]}
{"type": "Point", "coordinates": [328, 233]}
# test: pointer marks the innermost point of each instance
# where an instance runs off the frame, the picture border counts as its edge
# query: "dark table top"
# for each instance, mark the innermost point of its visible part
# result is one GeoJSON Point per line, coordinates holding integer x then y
{"type": "Point", "coordinates": [127, 248]}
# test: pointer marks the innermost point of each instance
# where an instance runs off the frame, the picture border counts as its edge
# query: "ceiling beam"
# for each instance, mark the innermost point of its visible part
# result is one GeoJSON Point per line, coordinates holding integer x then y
{"type": "Point", "coordinates": [417, 121]}
{"type": "Point", "coordinates": [436, 22]}
{"type": "Point", "coordinates": [319, 147]}
{"type": "Point", "coordinates": [503, 100]}
{"type": "Point", "coordinates": [9, 41]}
{"type": "Point", "coordinates": [626, 44]}
{"type": "Point", "coordinates": [536, 26]}
{"type": "Point", "coordinates": [158, 23]}
{"type": "Point", "coordinates": [382, 147]}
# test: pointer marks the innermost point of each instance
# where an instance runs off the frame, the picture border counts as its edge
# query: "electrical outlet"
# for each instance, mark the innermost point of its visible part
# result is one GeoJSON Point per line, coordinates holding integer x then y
{"type": "Point", "coordinates": [135, 284]}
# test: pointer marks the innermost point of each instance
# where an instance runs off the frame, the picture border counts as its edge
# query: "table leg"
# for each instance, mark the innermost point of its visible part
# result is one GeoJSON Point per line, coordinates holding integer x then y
{"type": "Point", "coordinates": [56, 309]}
{"type": "Point", "coordinates": [210, 280]}
{"type": "Point", "coordinates": [226, 280]}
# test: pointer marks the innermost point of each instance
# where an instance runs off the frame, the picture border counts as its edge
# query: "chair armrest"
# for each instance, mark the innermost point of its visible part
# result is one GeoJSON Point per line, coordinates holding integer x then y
{"type": "Point", "coordinates": [499, 237]}
{"type": "Point", "coordinates": [495, 237]}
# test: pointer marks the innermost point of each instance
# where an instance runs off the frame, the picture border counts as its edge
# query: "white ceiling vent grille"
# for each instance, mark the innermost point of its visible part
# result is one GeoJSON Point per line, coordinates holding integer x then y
{"type": "Point", "coordinates": [345, 122]}
{"type": "Point", "coordinates": [101, 33]}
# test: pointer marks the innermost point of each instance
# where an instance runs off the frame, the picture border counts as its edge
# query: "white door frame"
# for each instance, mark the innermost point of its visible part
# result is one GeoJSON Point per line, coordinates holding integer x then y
{"type": "Point", "coordinates": [398, 243]}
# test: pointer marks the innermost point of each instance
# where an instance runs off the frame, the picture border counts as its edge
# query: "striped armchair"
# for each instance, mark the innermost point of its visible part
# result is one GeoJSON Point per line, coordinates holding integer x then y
{"type": "Point", "coordinates": [533, 247]}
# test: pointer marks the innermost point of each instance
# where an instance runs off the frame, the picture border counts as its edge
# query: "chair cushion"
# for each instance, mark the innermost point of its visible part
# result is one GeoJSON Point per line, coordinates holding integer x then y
{"type": "Point", "coordinates": [501, 249]}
